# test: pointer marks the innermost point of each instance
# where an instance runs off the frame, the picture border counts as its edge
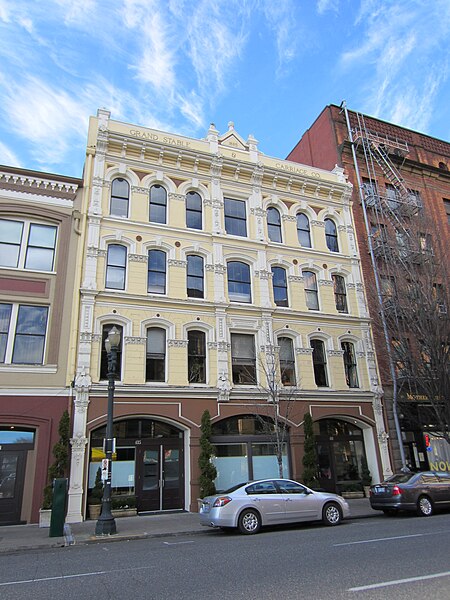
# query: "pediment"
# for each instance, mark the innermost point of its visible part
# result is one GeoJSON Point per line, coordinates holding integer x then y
{"type": "Point", "coordinates": [232, 139]}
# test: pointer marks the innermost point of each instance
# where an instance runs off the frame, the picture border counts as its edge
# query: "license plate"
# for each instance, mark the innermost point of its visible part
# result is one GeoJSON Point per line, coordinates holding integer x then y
{"type": "Point", "coordinates": [379, 489]}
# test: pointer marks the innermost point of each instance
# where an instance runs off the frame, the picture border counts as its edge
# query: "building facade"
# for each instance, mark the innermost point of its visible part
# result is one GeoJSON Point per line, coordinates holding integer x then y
{"type": "Point", "coordinates": [216, 262]}
{"type": "Point", "coordinates": [401, 206]}
{"type": "Point", "coordinates": [39, 232]}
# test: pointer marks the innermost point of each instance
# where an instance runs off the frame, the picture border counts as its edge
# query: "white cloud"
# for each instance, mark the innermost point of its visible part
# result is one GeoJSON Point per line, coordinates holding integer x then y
{"type": "Point", "coordinates": [281, 19]}
{"type": "Point", "coordinates": [325, 5]}
{"type": "Point", "coordinates": [8, 157]}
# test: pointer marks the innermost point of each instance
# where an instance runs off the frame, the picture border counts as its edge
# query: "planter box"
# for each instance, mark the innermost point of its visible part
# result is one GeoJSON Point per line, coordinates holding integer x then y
{"type": "Point", "coordinates": [350, 495]}
{"type": "Point", "coordinates": [124, 512]}
{"type": "Point", "coordinates": [44, 517]}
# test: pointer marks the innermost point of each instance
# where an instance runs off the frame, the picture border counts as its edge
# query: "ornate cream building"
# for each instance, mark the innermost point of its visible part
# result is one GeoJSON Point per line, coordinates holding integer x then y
{"type": "Point", "coordinates": [212, 259]}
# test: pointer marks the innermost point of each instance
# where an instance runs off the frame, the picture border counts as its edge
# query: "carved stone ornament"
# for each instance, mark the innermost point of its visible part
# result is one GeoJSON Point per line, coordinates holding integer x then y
{"type": "Point", "coordinates": [210, 267]}
{"type": "Point", "coordinates": [174, 196]}
{"type": "Point", "coordinates": [326, 282]}
{"type": "Point", "coordinates": [304, 351]}
{"type": "Point", "coordinates": [318, 224]}
{"type": "Point", "coordinates": [97, 338]}
{"type": "Point", "coordinates": [263, 274]}
{"type": "Point", "coordinates": [258, 212]}
{"type": "Point", "coordinates": [220, 269]}
{"type": "Point", "coordinates": [335, 352]}
{"type": "Point", "coordinates": [99, 182]}
{"type": "Point", "coordinates": [297, 278]}
{"type": "Point", "coordinates": [81, 403]}
{"type": "Point", "coordinates": [135, 340]}
{"type": "Point", "coordinates": [289, 218]}
{"type": "Point", "coordinates": [83, 382]}
{"type": "Point", "coordinates": [224, 388]}
{"type": "Point", "coordinates": [223, 346]}
{"type": "Point", "coordinates": [351, 286]}
{"type": "Point", "coordinates": [85, 337]}
{"type": "Point", "coordinates": [177, 343]}
{"type": "Point", "coordinates": [78, 443]}
{"type": "Point", "coordinates": [137, 189]}
{"type": "Point", "coordinates": [138, 258]}
{"type": "Point", "coordinates": [172, 262]}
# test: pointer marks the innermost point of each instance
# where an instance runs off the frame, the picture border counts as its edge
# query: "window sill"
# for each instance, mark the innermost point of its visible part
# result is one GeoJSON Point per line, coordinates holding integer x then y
{"type": "Point", "coordinates": [13, 368]}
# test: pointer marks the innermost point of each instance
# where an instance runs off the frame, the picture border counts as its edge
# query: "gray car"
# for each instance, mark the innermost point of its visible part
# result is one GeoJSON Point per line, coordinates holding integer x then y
{"type": "Point", "coordinates": [420, 492]}
{"type": "Point", "coordinates": [250, 506]}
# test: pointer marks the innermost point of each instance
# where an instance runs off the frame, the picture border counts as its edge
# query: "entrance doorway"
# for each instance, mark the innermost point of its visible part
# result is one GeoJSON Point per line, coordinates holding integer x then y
{"type": "Point", "coordinates": [159, 476]}
{"type": "Point", "coordinates": [340, 452]}
{"type": "Point", "coordinates": [148, 464]}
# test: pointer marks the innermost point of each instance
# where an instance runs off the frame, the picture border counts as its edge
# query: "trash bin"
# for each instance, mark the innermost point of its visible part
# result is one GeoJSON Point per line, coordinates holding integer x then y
{"type": "Point", "coordinates": [59, 502]}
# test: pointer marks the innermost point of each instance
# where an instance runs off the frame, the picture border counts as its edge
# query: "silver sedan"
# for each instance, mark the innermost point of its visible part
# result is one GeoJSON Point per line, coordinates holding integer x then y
{"type": "Point", "coordinates": [250, 506]}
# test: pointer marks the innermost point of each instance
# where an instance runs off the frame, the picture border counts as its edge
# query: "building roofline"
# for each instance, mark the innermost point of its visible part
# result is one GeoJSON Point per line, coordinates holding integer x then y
{"type": "Point", "coordinates": [42, 175]}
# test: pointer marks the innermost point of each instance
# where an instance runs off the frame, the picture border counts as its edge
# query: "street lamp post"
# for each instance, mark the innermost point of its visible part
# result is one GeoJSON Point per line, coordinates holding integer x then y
{"type": "Point", "coordinates": [106, 524]}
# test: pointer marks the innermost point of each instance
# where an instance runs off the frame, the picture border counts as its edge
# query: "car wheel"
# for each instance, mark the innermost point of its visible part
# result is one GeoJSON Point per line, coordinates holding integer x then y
{"type": "Point", "coordinates": [249, 521]}
{"type": "Point", "coordinates": [389, 511]}
{"type": "Point", "coordinates": [331, 514]}
{"type": "Point", "coordinates": [424, 507]}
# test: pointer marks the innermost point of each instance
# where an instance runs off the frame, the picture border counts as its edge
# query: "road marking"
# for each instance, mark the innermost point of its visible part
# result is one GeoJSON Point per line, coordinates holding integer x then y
{"type": "Point", "coordinates": [398, 537]}
{"type": "Point", "coordinates": [177, 543]}
{"type": "Point", "coordinates": [89, 574]}
{"type": "Point", "coordinates": [398, 582]}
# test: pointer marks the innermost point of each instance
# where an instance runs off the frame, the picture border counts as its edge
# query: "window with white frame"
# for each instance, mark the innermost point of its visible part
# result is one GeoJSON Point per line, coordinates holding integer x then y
{"type": "Point", "coordinates": [158, 204]}
{"type": "Point", "coordinates": [155, 368]}
{"type": "Point", "coordinates": [23, 330]}
{"type": "Point", "coordinates": [319, 363]}
{"type": "Point", "coordinates": [120, 197]}
{"type": "Point", "coordinates": [116, 267]}
{"type": "Point", "coordinates": [239, 285]}
{"type": "Point", "coordinates": [196, 357]}
{"type": "Point", "coordinates": [27, 245]}
{"type": "Point", "coordinates": [331, 235]}
{"type": "Point", "coordinates": [274, 224]}
{"type": "Point", "coordinates": [193, 210]}
{"type": "Point", "coordinates": [279, 284]}
{"type": "Point", "coordinates": [340, 293]}
{"type": "Point", "coordinates": [195, 276]}
{"type": "Point", "coordinates": [303, 230]}
{"type": "Point", "coordinates": [235, 217]}
{"type": "Point", "coordinates": [350, 367]}
{"type": "Point", "coordinates": [104, 355]}
{"type": "Point", "coordinates": [156, 277]}
{"type": "Point", "coordinates": [243, 359]}
{"type": "Point", "coordinates": [287, 361]}
{"type": "Point", "coordinates": [311, 292]}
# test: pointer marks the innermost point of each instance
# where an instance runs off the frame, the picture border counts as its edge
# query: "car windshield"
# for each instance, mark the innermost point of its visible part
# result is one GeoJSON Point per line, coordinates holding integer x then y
{"type": "Point", "coordinates": [400, 478]}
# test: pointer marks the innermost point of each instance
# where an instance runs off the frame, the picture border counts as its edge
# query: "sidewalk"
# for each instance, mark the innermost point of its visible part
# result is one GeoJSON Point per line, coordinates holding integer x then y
{"type": "Point", "coordinates": [14, 538]}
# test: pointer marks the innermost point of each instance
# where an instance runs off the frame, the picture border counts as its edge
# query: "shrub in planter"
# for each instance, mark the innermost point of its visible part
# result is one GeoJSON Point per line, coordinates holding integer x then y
{"type": "Point", "coordinates": [366, 477]}
{"type": "Point", "coordinates": [309, 454]}
{"type": "Point", "coordinates": [96, 494]}
{"type": "Point", "coordinates": [208, 471]}
{"type": "Point", "coordinates": [118, 502]}
{"type": "Point", "coordinates": [61, 454]}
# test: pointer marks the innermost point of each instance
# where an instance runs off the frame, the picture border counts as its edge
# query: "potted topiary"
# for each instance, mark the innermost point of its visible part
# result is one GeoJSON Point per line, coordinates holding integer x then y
{"type": "Point", "coordinates": [95, 496]}
{"type": "Point", "coordinates": [366, 477]}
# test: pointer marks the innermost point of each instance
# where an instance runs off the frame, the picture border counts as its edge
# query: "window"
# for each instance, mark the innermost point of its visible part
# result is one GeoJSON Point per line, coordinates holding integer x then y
{"type": "Point", "coordinates": [303, 230]}
{"type": "Point", "coordinates": [158, 204]}
{"type": "Point", "coordinates": [104, 355]}
{"type": "Point", "coordinates": [331, 235]}
{"type": "Point", "coordinates": [243, 359]}
{"type": "Point", "coordinates": [287, 361]}
{"type": "Point", "coordinates": [155, 368]}
{"type": "Point", "coordinates": [312, 297]}
{"type": "Point", "coordinates": [120, 196]}
{"type": "Point", "coordinates": [156, 281]}
{"type": "Point", "coordinates": [340, 294]}
{"type": "Point", "coordinates": [195, 283]}
{"type": "Point", "coordinates": [447, 210]}
{"type": "Point", "coordinates": [116, 267]}
{"type": "Point", "coordinates": [239, 289]}
{"type": "Point", "coordinates": [425, 244]}
{"type": "Point", "coordinates": [279, 283]}
{"type": "Point", "coordinates": [351, 374]}
{"type": "Point", "coordinates": [274, 224]}
{"type": "Point", "coordinates": [235, 218]}
{"type": "Point", "coordinates": [22, 333]}
{"type": "Point", "coordinates": [319, 363]}
{"type": "Point", "coordinates": [27, 245]}
{"type": "Point", "coordinates": [193, 210]}
{"type": "Point", "coordinates": [196, 357]}
{"type": "Point", "coordinates": [393, 199]}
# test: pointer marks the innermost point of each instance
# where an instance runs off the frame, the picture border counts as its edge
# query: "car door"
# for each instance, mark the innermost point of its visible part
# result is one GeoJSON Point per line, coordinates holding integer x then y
{"type": "Point", "coordinates": [266, 498]}
{"type": "Point", "coordinates": [300, 503]}
{"type": "Point", "coordinates": [444, 488]}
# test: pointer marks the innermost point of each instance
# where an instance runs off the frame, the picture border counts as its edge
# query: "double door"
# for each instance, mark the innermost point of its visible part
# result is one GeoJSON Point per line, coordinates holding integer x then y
{"type": "Point", "coordinates": [159, 475]}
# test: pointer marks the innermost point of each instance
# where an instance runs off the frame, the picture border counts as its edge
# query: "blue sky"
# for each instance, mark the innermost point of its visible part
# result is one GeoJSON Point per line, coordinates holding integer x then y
{"type": "Point", "coordinates": [270, 66]}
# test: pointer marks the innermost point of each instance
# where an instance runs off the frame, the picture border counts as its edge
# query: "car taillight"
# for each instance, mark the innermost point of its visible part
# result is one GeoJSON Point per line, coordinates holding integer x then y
{"type": "Point", "coordinates": [222, 501]}
{"type": "Point", "coordinates": [396, 491]}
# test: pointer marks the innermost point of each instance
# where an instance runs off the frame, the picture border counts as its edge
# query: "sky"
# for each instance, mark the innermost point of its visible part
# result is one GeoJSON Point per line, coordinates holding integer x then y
{"type": "Point", "coordinates": [270, 66]}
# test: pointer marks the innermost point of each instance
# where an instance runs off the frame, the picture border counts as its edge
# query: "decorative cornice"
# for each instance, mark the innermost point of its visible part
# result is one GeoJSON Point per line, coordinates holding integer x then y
{"type": "Point", "coordinates": [210, 267]}
{"type": "Point", "coordinates": [223, 346]}
{"type": "Point", "coordinates": [220, 269]}
{"type": "Point", "coordinates": [318, 224]}
{"type": "Point", "coordinates": [326, 282]}
{"type": "Point", "coordinates": [304, 351]}
{"type": "Point", "coordinates": [289, 218]}
{"type": "Point", "coordinates": [135, 340]}
{"type": "Point", "coordinates": [335, 352]}
{"type": "Point", "coordinates": [137, 189]}
{"type": "Point", "coordinates": [258, 212]}
{"type": "Point", "coordinates": [297, 278]}
{"type": "Point", "coordinates": [38, 183]}
{"type": "Point", "coordinates": [177, 343]}
{"type": "Point", "coordinates": [174, 196]}
{"type": "Point", "coordinates": [172, 262]}
{"type": "Point", "coordinates": [263, 274]}
{"type": "Point", "coordinates": [139, 258]}
{"type": "Point", "coordinates": [95, 252]}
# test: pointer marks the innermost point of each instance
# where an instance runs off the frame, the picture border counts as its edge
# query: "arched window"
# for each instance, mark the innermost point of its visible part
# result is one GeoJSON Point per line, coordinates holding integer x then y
{"type": "Point", "coordinates": [193, 210]}
{"type": "Point", "coordinates": [351, 373]}
{"type": "Point", "coordinates": [195, 276]}
{"type": "Point", "coordinates": [196, 357]}
{"type": "Point", "coordinates": [274, 224]}
{"type": "Point", "coordinates": [340, 294]}
{"type": "Point", "coordinates": [104, 355]}
{"type": "Point", "coordinates": [303, 230]}
{"type": "Point", "coordinates": [287, 361]}
{"type": "Point", "coordinates": [239, 287]}
{"type": "Point", "coordinates": [156, 281]}
{"type": "Point", "coordinates": [243, 359]}
{"type": "Point", "coordinates": [155, 367]}
{"type": "Point", "coordinates": [311, 293]}
{"type": "Point", "coordinates": [235, 217]}
{"type": "Point", "coordinates": [331, 235]}
{"type": "Point", "coordinates": [116, 267]}
{"type": "Point", "coordinates": [158, 204]}
{"type": "Point", "coordinates": [279, 282]}
{"type": "Point", "coordinates": [319, 363]}
{"type": "Point", "coordinates": [120, 197]}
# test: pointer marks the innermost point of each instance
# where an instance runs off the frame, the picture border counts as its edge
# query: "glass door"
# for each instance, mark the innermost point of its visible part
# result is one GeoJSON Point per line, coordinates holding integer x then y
{"type": "Point", "coordinates": [12, 472]}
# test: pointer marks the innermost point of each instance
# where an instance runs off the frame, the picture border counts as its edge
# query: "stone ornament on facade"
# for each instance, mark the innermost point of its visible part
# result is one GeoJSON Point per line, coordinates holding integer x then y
{"type": "Point", "coordinates": [178, 197]}
{"type": "Point", "coordinates": [318, 224]}
{"type": "Point", "coordinates": [304, 351]}
{"type": "Point", "coordinates": [297, 278]}
{"type": "Point", "coordinates": [177, 343]}
{"type": "Point", "coordinates": [172, 262]}
{"type": "Point", "coordinates": [138, 258]}
{"type": "Point", "coordinates": [136, 189]}
{"type": "Point", "coordinates": [264, 275]}
{"type": "Point", "coordinates": [220, 269]}
{"type": "Point", "coordinates": [134, 340]}
{"type": "Point", "coordinates": [223, 347]}
{"type": "Point", "coordinates": [289, 218]}
{"type": "Point", "coordinates": [326, 282]}
{"type": "Point", "coordinates": [224, 388]}
{"type": "Point", "coordinates": [335, 352]}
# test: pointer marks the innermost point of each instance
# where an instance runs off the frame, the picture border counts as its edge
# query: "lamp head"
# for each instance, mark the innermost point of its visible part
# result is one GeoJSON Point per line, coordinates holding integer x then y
{"type": "Point", "coordinates": [113, 339]}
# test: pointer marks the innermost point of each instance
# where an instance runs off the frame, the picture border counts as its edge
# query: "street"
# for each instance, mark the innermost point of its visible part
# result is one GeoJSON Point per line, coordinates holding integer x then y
{"type": "Point", "coordinates": [403, 557]}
